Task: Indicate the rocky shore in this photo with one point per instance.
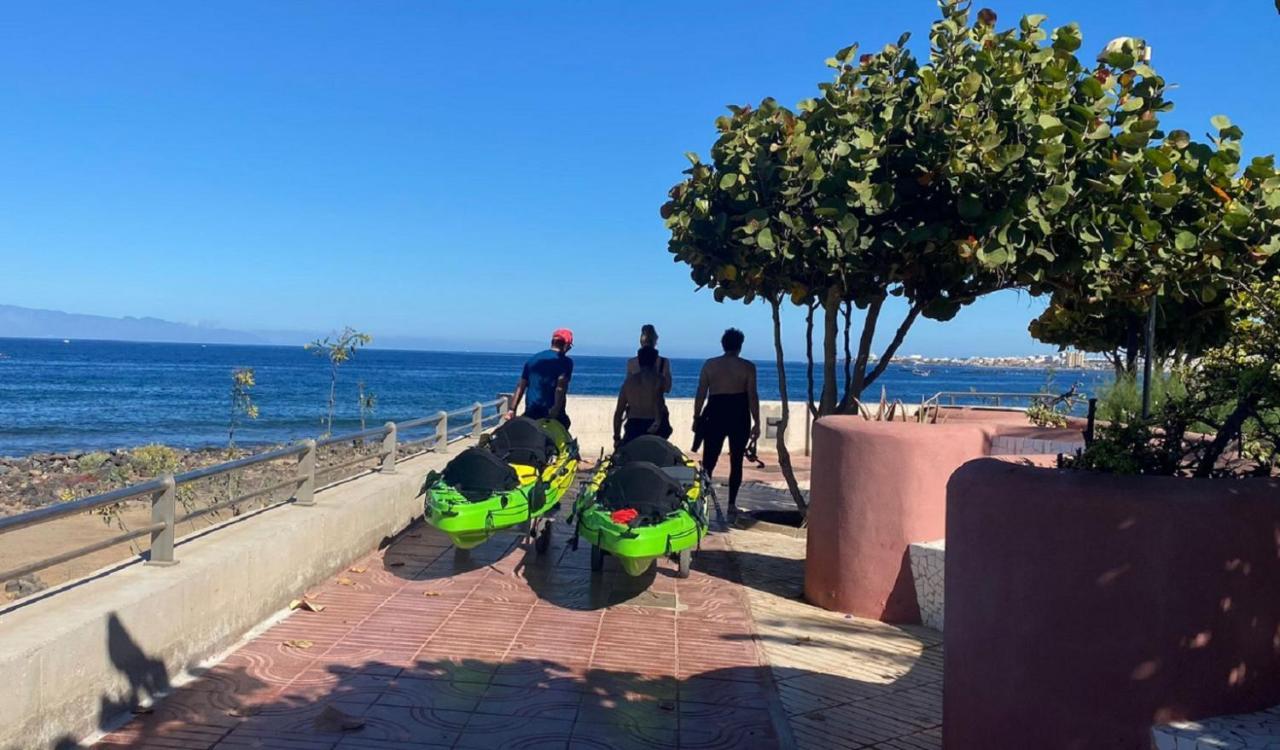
(44, 478)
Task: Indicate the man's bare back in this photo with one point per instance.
(726, 374)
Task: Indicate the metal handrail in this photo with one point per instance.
(351, 436)
(163, 489)
(996, 396)
(52, 512)
(239, 463)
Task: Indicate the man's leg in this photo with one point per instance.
(737, 449)
(711, 447)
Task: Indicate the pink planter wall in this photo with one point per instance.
(1082, 608)
(876, 488)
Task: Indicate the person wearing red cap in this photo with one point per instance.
(545, 380)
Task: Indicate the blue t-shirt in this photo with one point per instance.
(542, 372)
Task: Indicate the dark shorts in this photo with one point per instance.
(634, 428)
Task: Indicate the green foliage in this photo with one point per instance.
(935, 181)
(338, 349)
(153, 460)
(1130, 448)
(1161, 216)
(1121, 399)
(1225, 420)
(1041, 414)
(242, 406)
(91, 462)
(366, 400)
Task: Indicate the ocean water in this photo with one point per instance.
(91, 395)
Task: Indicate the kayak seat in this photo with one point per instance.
(651, 449)
(643, 487)
(686, 476)
(523, 441)
(477, 474)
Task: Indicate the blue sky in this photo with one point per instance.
(466, 171)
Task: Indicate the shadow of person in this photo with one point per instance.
(148, 678)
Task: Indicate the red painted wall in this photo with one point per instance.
(876, 488)
(1083, 608)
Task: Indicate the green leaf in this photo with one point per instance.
(1220, 122)
(765, 239)
(1057, 196)
(692, 157)
(1185, 240)
(1159, 159)
(1006, 155)
(997, 257)
(728, 180)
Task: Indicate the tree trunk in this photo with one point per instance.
(784, 457)
(808, 353)
(830, 331)
(1230, 429)
(864, 354)
(848, 354)
(1132, 344)
(901, 334)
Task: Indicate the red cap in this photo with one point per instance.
(564, 334)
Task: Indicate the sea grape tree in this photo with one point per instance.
(1162, 220)
(934, 182)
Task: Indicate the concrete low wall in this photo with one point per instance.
(1082, 608)
(593, 423)
(70, 662)
(878, 487)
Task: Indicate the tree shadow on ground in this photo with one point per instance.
(468, 703)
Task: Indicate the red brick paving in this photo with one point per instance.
(506, 650)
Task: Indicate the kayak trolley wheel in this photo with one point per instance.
(543, 541)
(685, 561)
(597, 558)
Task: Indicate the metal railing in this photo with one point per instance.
(1000, 400)
(163, 491)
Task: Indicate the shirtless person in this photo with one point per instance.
(727, 386)
(640, 399)
(649, 340)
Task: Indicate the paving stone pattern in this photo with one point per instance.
(418, 648)
(1259, 731)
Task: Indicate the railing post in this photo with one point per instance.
(442, 432)
(477, 419)
(164, 509)
(389, 450)
(306, 494)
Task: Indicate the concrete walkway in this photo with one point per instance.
(418, 648)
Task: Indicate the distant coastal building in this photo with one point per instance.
(1073, 359)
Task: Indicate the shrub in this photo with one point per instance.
(91, 462)
(153, 460)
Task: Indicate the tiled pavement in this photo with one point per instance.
(416, 648)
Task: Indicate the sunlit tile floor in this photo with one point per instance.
(416, 647)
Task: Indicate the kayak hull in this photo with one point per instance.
(637, 548)
(469, 524)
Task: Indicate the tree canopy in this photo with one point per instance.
(1002, 161)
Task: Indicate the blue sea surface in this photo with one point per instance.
(92, 395)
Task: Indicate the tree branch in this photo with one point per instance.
(864, 353)
(892, 349)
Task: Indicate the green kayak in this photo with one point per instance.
(645, 502)
(517, 475)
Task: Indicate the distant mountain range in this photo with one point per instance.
(26, 322)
